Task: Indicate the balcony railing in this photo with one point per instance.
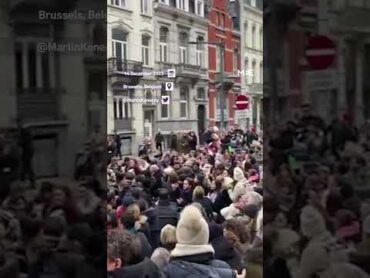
(185, 69)
(123, 124)
(118, 65)
(38, 104)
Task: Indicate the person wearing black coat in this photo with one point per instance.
(165, 213)
(224, 251)
(198, 197)
(124, 259)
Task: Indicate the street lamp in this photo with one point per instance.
(221, 46)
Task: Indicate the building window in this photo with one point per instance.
(121, 109)
(184, 102)
(246, 33)
(200, 51)
(119, 44)
(165, 2)
(145, 42)
(183, 47)
(254, 36)
(165, 108)
(201, 93)
(218, 58)
(222, 20)
(261, 72)
(145, 7)
(261, 38)
(163, 44)
(246, 69)
(148, 95)
(32, 67)
(182, 5)
(218, 19)
(253, 3)
(235, 60)
(199, 7)
(254, 71)
(118, 3)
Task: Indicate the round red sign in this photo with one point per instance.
(320, 52)
(242, 102)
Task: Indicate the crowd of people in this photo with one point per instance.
(316, 198)
(190, 210)
(53, 228)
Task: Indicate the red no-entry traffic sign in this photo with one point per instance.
(320, 52)
(242, 102)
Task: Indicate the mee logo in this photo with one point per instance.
(243, 73)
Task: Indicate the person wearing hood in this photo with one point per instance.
(193, 254)
(241, 184)
(124, 259)
(321, 244)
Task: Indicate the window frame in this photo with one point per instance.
(163, 45)
(142, 7)
(165, 93)
(145, 50)
(184, 91)
(122, 3)
(123, 45)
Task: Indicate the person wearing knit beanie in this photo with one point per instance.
(192, 234)
(193, 255)
(322, 248)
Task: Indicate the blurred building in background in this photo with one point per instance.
(291, 79)
(180, 35)
(58, 95)
(251, 24)
(224, 61)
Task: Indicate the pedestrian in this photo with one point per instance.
(159, 141)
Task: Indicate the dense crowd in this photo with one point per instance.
(190, 210)
(53, 228)
(316, 198)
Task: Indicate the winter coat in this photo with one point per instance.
(224, 251)
(144, 269)
(198, 266)
(206, 204)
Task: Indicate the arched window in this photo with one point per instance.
(183, 45)
(184, 95)
(163, 44)
(200, 51)
(145, 47)
(119, 43)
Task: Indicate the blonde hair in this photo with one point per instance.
(134, 210)
(168, 236)
(198, 192)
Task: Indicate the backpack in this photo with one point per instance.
(192, 270)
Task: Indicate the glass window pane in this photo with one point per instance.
(119, 35)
